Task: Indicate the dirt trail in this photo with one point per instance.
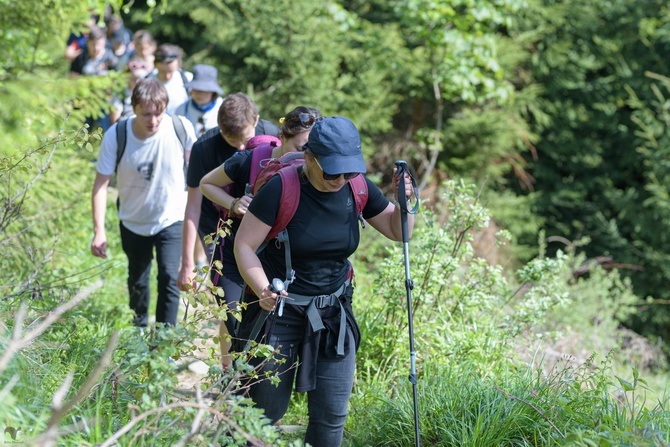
(195, 366)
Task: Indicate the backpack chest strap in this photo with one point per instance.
(314, 303)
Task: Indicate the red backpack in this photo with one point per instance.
(285, 167)
(262, 146)
(264, 167)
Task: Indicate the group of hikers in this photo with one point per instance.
(114, 47)
(179, 159)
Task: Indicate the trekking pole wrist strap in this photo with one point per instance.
(401, 196)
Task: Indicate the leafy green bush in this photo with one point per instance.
(474, 325)
(92, 378)
(464, 308)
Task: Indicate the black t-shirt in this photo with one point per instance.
(323, 233)
(207, 154)
(237, 169)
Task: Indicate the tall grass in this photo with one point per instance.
(458, 406)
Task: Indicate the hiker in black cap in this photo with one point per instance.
(236, 171)
(203, 106)
(323, 233)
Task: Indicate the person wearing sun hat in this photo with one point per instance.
(323, 234)
(202, 108)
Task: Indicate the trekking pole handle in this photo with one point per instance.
(277, 286)
(402, 169)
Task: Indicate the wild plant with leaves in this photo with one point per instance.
(476, 326)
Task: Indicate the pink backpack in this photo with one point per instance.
(262, 146)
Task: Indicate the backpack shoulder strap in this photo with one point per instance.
(290, 197)
(359, 188)
(121, 137)
(179, 129)
(184, 80)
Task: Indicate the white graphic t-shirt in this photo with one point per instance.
(150, 176)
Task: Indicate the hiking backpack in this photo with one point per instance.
(263, 168)
(287, 170)
(262, 146)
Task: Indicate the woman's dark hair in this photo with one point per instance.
(293, 123)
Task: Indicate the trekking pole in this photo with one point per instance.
(403, 169)
(277, 287)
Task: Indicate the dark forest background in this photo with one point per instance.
(557, 108)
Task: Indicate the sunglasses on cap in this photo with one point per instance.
(306, 120)
(347, 176)
(166, 57)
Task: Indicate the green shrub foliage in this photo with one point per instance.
(474, 325)
(551, 106)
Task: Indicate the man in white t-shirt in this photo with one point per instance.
(169, 71)
(152, 198)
